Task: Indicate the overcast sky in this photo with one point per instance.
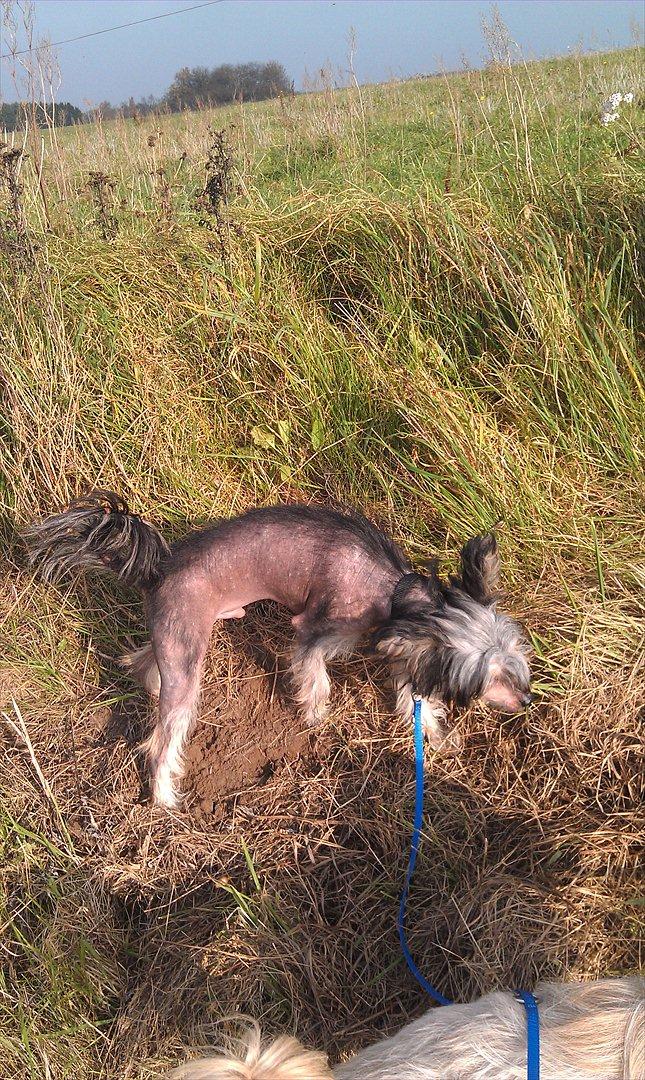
(393, 37)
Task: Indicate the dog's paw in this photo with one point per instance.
(165, 795)
(433, 721)
(314, 717)
(448, 740)
(436, 728)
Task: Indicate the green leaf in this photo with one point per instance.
(262, 437)
(317, 434)
(284, 431)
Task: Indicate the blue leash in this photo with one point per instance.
(530, 1004)
(532, 1034)
(414, 851)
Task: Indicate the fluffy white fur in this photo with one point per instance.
(283, 1059)
(588, 1031)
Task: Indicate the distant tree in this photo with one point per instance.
(188, 89)
(275, 80)
(128, 109)
(63, 113)
(9, 113)
(104, 111)
(194, 88)
(221, 85)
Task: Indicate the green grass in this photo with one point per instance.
(429, 306)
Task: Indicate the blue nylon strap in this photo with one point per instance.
(530, 1004)
(414, 850)
(532, 1034)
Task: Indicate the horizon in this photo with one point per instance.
(394, 39)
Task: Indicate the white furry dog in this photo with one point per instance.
(588, 1031)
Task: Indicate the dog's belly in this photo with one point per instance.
(240, 583)
(234, 607)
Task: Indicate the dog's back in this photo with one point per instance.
(307, 558)
(588, 1031)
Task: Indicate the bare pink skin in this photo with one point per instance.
(276, 562)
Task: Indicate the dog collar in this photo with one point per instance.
(402, 586)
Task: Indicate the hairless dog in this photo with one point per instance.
(342, 578)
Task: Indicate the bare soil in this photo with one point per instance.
(241, 743)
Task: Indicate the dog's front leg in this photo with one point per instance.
(309, 677)
(311, 682)
(434, 714)
(433, 711)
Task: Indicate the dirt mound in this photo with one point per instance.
(241, 743)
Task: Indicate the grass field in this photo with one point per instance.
(422, 299)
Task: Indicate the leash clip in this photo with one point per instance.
(417, 704)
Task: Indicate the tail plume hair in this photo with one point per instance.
(98, 532)
(248, 1059)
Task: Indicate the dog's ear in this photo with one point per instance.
(480, 568)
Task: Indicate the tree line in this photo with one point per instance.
(14, 115)
(191, 88)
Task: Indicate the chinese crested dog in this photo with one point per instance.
(342, 578)
(588, 1031)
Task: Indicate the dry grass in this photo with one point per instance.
(427, 306)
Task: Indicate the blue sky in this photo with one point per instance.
(394, 37)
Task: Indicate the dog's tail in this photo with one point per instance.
(284, 1059)
(98, 532)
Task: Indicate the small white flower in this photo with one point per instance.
(612, 103)
(628, 98)
(608, 118)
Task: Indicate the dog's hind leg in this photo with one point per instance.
(310, 681)
(179, 654)
(178, 702)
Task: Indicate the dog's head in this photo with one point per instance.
(453, 641)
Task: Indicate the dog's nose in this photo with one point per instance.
(526, 700)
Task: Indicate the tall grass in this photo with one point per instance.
(422, 299)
